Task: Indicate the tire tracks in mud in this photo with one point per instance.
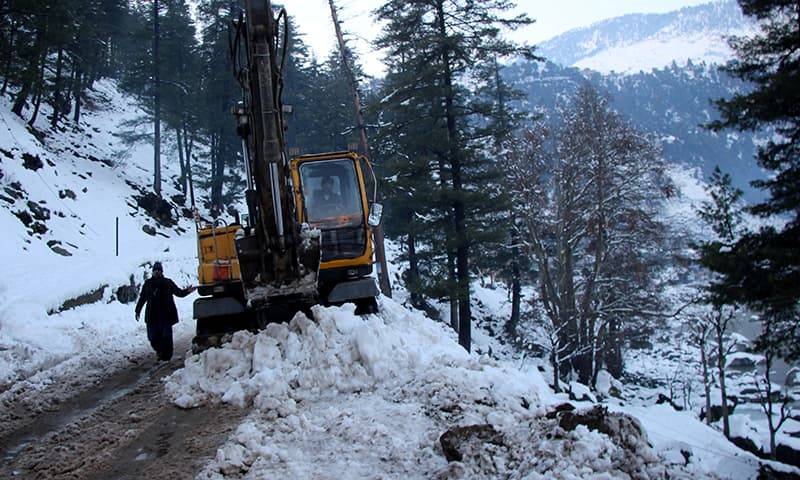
(123, 428)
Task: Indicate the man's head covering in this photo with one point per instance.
(157, 266)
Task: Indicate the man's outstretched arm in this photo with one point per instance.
(181, 292)
(143, 295)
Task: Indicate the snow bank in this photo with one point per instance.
(339, 395)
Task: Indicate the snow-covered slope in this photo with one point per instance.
(642, 42)
(61, 193)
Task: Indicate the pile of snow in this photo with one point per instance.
(343, 395)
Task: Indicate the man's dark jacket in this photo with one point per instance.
(157, 293)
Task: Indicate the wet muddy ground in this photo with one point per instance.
(122, 427)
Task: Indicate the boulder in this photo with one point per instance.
(623, 429)
(31, 162)
(787, 454)
(66, 193)
(39, 212)
(458, 441)
(157, 207)
(127, 293)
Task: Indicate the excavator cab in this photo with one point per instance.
(335, 194)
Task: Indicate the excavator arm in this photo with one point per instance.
(278, 257)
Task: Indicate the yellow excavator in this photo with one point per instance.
(307, 236)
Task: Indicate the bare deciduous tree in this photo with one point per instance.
(586, 198)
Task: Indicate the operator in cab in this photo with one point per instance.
(160, 314)
(326, 201)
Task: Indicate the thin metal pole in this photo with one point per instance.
(117, 237)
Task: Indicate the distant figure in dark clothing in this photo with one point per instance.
(160, 314)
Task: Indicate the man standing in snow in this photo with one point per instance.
(160, 314)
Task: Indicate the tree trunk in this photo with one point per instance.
(459, 214)
(181, 161)
(218, 165)
(706, 383)
(516, 285)
(556, 368)
(57, 89)
(7, 66)
(726, 428)
(31, 73)
(413, 269)
(38, 90)
(613, 340)
(188, 141)
(377, 231)
(78, 93)
(156, 104)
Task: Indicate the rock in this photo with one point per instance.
(766, 472)
(128, 293)
(149, 230)
(624, 430)
(157, 207)
(39, 227)
(455, 442)
(66, 193)
(24, 217)
(55, 246)
(39, 212)
(89, 297)
(31, 162)
(608, 386)
(743, 361)
(61, 251)
(715, 413)
(748, 445)
(787, 454)
(563, 407)
(662, 399)
(15, 190)
(738, 343)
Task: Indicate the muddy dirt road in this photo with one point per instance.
(122, 427)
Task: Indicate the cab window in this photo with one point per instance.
(331, 192)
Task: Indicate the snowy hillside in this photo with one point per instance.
(643, 42)
(61, 193)
(330, 395)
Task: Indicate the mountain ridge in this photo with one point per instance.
(642, 42)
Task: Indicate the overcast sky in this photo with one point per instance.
(552, 17)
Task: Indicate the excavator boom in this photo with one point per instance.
(274, 260)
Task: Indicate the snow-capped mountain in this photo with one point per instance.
(642, 42)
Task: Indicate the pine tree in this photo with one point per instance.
(448, 40)
(762, 269)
